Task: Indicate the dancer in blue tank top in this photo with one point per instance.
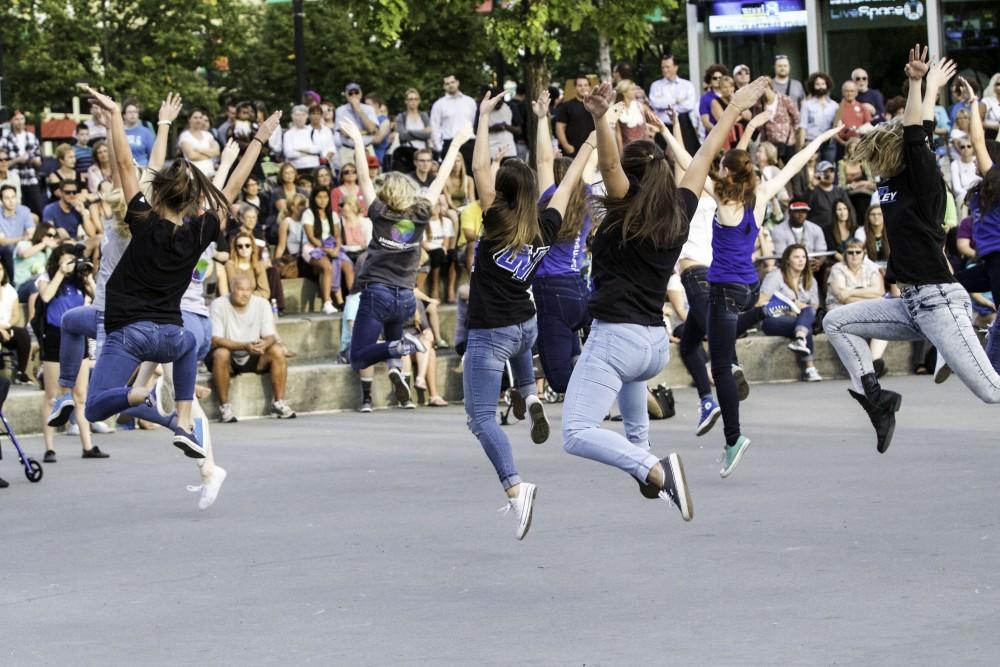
(733, 285)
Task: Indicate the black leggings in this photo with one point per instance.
(727, 302)
(983, 277)
(20, 342)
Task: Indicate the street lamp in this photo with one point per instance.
(298, 14)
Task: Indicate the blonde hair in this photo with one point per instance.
(881, 149)
(352, 204)
(115, 198)
(396, 191)
(622, 89)
(297, 203)
(62, 150)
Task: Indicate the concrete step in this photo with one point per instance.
(320, 385)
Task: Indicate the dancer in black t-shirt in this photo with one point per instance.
(501, 325)
(933, 306)
(142, 315)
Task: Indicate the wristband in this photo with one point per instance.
(165, 122)
(258, 141)
(591, 145)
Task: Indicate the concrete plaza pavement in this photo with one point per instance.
(349, 539)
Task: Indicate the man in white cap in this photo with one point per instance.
(359, 113)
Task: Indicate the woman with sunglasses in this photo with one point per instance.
(854, 279)
(245, 261)
(30, 258)
(964, 172)
(349, 188)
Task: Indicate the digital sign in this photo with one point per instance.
(868, 14)
(756, 17)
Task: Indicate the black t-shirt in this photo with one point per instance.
(498, 289)
(913, 204)
(630, 279)
(579, 122)
(822, 203)
(150, 279)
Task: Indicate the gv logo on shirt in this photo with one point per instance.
(522, 263)
(886, 197)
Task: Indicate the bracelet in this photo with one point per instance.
(258, 141)
(591, 145)
(165, 122)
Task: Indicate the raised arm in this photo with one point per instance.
(481, 154)
(572, 178)
(768, 189)
(608, 159)
(756, 122)
(122, 162)
(226, 162)
(977, 135)
(437, 185)
(544, 157)
(246, 165)
(170, 108)
(937, 78)
(745, 97)
(353, 133)
(916, 68)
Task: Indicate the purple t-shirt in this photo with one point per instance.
(705, 105)
(565, 258)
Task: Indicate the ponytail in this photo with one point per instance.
(740, 180)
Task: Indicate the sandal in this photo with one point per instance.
(437, 402)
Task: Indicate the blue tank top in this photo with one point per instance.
(985, 227)
(564, 257)
(732, 250)
(69, 296)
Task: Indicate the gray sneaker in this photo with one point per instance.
(228, 416)
(281, 410)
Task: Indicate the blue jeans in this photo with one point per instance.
(351, 304)
(787, 326)
(726, 302)
(201, 327)
(561, 302)
(124, 349)
(486, 356)
(78, 324)
(617, 361)
(385, 310)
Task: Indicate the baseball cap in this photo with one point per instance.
(799, 206)
(740, 68)
(352, 87)
(825, 165)
(373, 162)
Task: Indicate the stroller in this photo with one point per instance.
(32, 468)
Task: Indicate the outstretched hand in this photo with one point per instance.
(614, 113)
(352, 131)
(940, 72)
(916, 64)
(599, 100)
(833, 131)
(230, 152)
(760, 119)
(490, 103)
(100, 99)
(464, 134)
(747, 96)
(967, 92)
(541, 105)
(268, 127)
(170, 107)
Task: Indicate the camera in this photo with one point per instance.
(83, 267)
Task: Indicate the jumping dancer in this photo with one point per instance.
(501, 324)
(733, 285)
(399, 215)
(142, 317)
(932, 304)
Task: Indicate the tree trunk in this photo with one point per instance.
(536, 77)
(603, 56)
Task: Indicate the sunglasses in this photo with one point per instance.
(347, 172)
(51, 235)
(716, 76)
(965, 146)
(412, 99)
(69, 192)
(854, 252)
(861, 78)
(353, 92)
(243, 246)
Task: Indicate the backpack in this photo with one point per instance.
(663, 396)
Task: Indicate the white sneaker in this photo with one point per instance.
(210, 489)
(329, 308)
(100, 427)
(228, 416)
(812, 375)
(799, 345)
(164, 397)
(521, 506)
(281, 410)
(72, 429)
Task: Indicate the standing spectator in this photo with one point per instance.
(783, 82)
(674, 94)
(24, 153)
(782, 127)
(67, 212)
(573, 123)
(361, 115)
(422, 175)
(97, 130)
(101, 169)
(413, 126)
(9, 176)
(140, 138)
(798, 231)
(818, 113)
(226, 123)
(741, 76)
(243, 338)
(298, 145)
(713, 77)
(631, 125)
(82, 150)
(991, 103)
(450, 113)
(381, 140)
(825, 195)
(198, 144)
(16, 225)
(964, 173)
(322, 136)
(869, 96)
(501, 130)
(852, 113)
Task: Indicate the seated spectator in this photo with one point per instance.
(9, 176)
(16, 225)
(355, 231)
(298, 144)
(798, 230)
(856, 279)
(244, 261)
(96, 129)
(471, 229)
(425, 378)
(323, 251)
(790, 298)
(856, 179)
(252, 198)
(30, 258)
(348, 189)
(285, 188)
(13, 334)
(422, 174)
(65, 173)
(243, 340)
(964, 174)
(100, 170)
(323, 179)
(198, 144)
(964, 254)
(438, 237)
(874, 237)
(844, 227)
(67, 212)
(291, 239)
(322, 136)
(82, 150)
(959, 134)
(824, 193)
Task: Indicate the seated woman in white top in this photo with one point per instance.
(197, 143)
(857, 279)
(790, 298)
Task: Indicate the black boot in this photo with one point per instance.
(881, 406)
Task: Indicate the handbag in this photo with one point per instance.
(663, 398)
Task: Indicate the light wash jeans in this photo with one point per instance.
(486, 357)
(617, 360)
(941, 313)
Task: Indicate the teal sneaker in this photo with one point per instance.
(731, 456)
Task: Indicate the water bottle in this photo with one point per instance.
(264, 254)
(274, 308)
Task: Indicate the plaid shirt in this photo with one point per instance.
(31, 148)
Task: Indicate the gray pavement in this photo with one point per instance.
(353, 539)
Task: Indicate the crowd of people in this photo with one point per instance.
(680, 214)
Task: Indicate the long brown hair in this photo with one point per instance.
(254, 250)
(871, 247)
(786, 275)
(989, 190)
(515, 205)
(183, 188)
(740, 180)
(881, 149)
(577, 208)
(652, 214)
